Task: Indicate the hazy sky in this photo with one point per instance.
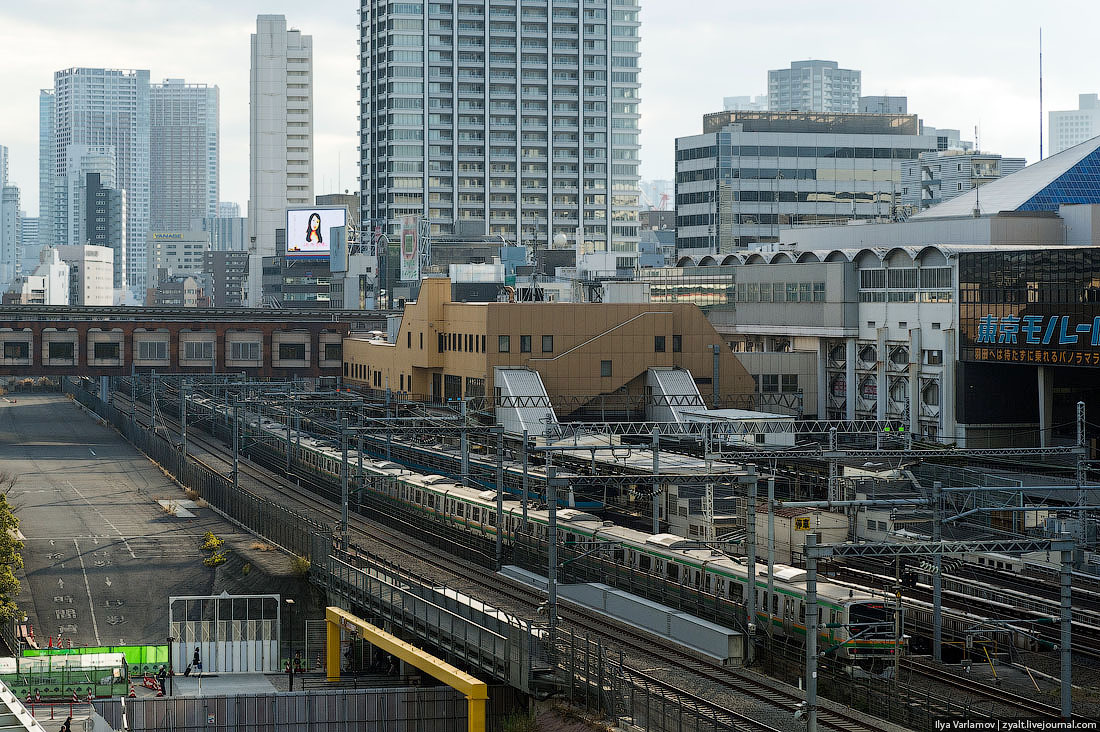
(960, 63)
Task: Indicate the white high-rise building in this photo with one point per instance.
(3, 166)
(91, 274)
(30, 246)
(11, 231)
(814, 86)
(183, 154)
(228, 210)
(489, 119)
(280, 136)
(1074, 126)
(100, 108)
(48, 285)
(47, 161)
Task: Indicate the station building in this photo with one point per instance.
(445, 350)
(975, 322)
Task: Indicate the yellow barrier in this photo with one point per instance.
(476, 692)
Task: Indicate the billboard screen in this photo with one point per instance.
(307, 231)
(410, 250)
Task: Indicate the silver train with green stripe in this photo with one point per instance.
(854, 624)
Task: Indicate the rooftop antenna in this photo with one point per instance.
(1040, 92)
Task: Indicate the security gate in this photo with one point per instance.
(232, 633)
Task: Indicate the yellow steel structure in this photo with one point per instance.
(476, 692)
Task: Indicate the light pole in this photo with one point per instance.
(171, 640)
(290, 641)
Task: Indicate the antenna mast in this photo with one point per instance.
(1040, 92)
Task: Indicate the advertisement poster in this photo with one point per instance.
(410, 250)
(307, 231)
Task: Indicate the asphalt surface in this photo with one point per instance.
(101, 555)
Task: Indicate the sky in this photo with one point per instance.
(962, 64)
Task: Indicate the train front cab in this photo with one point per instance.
(871, 630)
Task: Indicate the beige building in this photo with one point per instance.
(175, 254)
(792, 526)
(445, 349)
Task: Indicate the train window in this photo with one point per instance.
(737, 592)
(491, 518)
(644, 562)
(775, 604)
(475, 513)
(801, 613)
(707, 583)
(673, 570)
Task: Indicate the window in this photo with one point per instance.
(421, 341)
(292, 351)
(605, 368)
(933, 358)
(244, 351)
(677, 343)
(409, 339)
(525, 344)
(789, 383)
(333, 351)
(935, 326)
(504, 344)
(870, 324)
(440, 342)
(17, 349)
(548, 344)
(769, 383)
(903, 324)
(61, 350)
(658, 344)
(153, 350)
(198, 350)
(483, 344)
(106, 350)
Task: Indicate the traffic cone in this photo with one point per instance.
(50, 643)
(91, 694)
(133, 691)
(28, 697)
(75, 699)
(37, 697)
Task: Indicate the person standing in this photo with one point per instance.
(196, 662)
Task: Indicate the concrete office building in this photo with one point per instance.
(175, 253)
(229, 210)
(280, 135)
(30, 244)
(101, 108)
(935, 177)
(814, 86)
(883, 104)
(227, 233)
(91, 274)
(350, 201)
(179, 291)
(227, 273)
(1074, 126)
(48, 285)
(517, 122)
(106, 211)
(752, 173)
(183, 154)
(83, 161)
(11, 231)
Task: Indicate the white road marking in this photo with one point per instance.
(107, 581)
(91, 451)
(91, 603)
(105, 520)
(61, 582)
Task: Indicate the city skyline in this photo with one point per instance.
(679, 75)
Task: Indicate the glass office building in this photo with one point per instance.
(502, 118)
(752, 173)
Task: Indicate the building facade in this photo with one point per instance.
(227, 233)
(106, 209)
(3, 166)
(935, 177)
(91, 274)
(46, 167)
(280, 135)
(48, 285)
(83, 161)
(100, 108)
(175, 253)
(449, 350)
(229, 210)
(30, 245)
(518, 122)
(183, 154)
(11, 231)
(227, 273)
(1074, 126)
(751, 174)
(814, 86)
(883, 105)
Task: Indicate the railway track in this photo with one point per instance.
(983, 691)
(711, 682)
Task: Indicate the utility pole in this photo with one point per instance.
(937, 579)
(153, 399)
(236, 444)
(344, 485)
(656, 437)
(1066, 596)
(811, 633)
(464, 447)
(183, 418)
(771, 549)
(750, 556)
(552, 548)
(524, 525)
(500, 496)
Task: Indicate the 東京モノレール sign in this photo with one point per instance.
(1054, 339)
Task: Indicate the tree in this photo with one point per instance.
(11, 548)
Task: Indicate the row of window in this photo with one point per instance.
(780, 292)
(158, 350)
(776, 383)
(800, 151)
(504, 344)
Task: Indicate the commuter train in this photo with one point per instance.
(843, 611)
